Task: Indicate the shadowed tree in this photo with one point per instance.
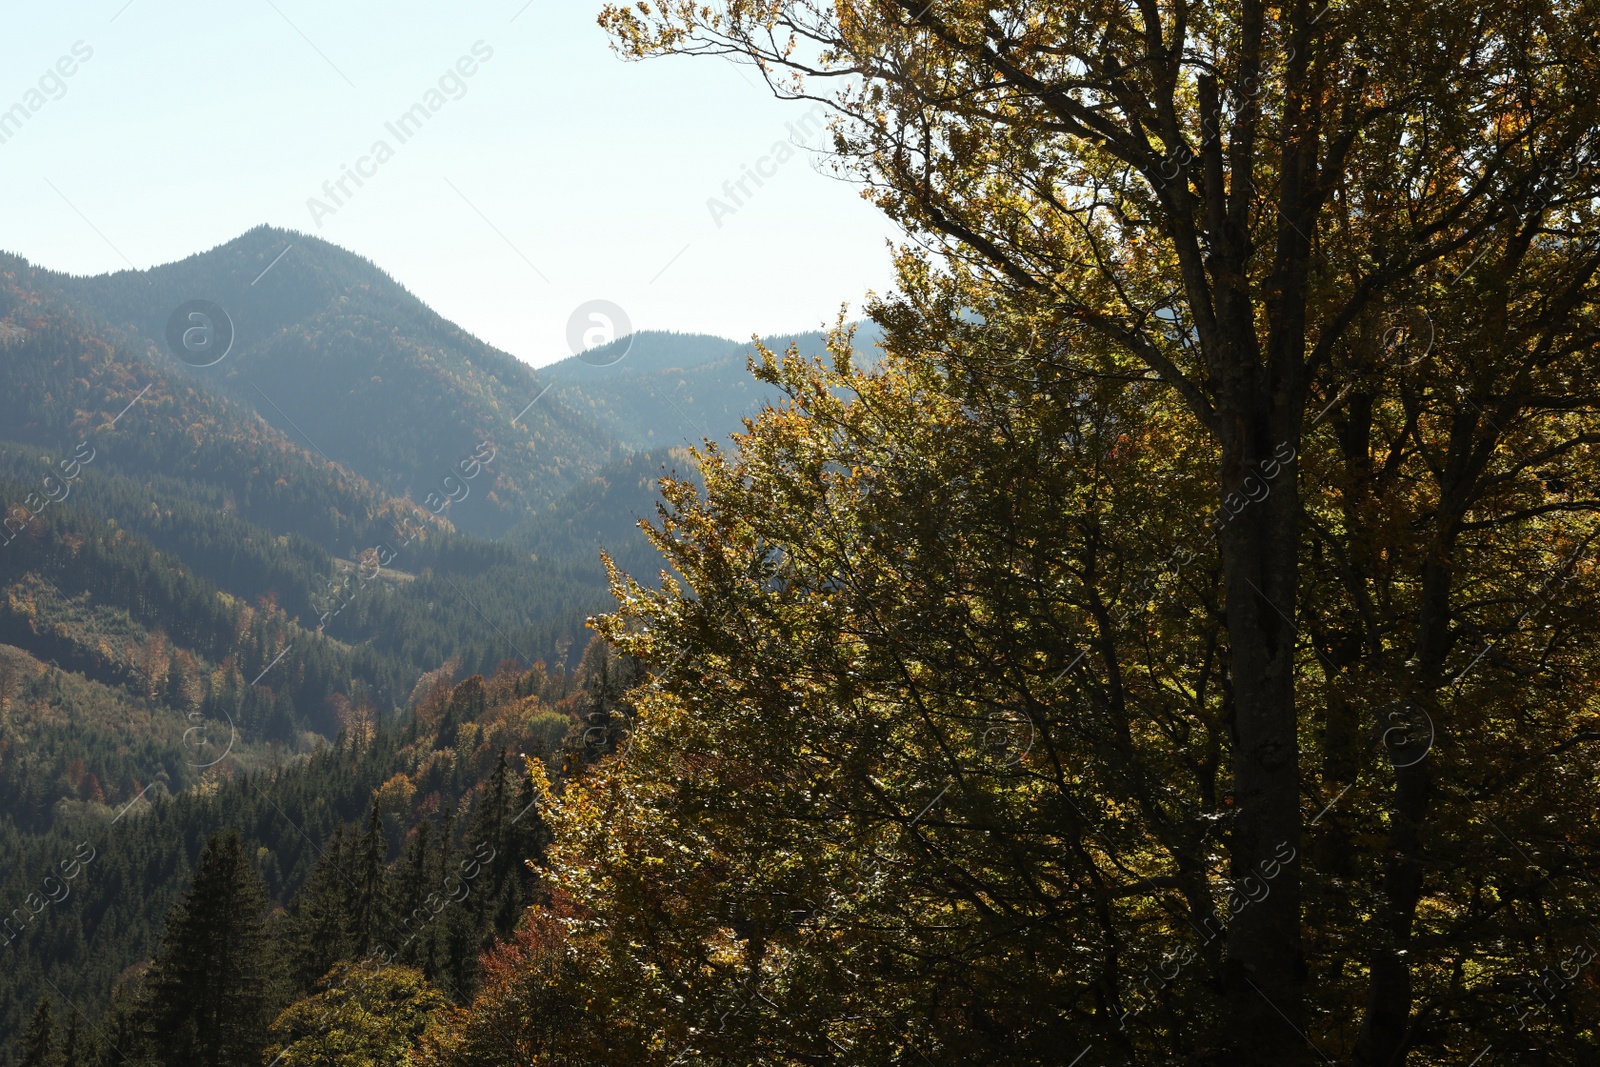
(39, 1043)
(1358, 234)
(212, 985)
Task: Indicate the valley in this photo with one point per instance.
(217, 576)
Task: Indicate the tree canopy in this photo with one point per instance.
(1315, 283)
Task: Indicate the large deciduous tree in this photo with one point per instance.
(363, 1016)
(1360, 233)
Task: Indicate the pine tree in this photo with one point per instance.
(411, 916)
(73, 1045)
(39, 1043)
(324, 921)
(211, 985)
(369, 880)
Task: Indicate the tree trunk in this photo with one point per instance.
(1264, 975)
(1385, 1027)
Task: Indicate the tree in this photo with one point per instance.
(372, 863)
(364, 1016)
(325, 918)
(499, 890)
(73, 1046)
(1361, 235)
(864, 816)
(467, 703)
(529, 1010)
(603, 717)
(212, 984)
(413, 914)
(39, 1043)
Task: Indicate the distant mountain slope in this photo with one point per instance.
(655, 389)
(208, 572)
(346, 362)
(167, 530)
(160, 538)
(603, 514)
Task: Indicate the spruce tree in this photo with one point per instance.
(325, 918)
(73, 1045)
(467, 704)
(372, 863)
(486, 836)
(454, 942)
(39, 1043)
(411, 915)
(119, 1037)
(211, 985)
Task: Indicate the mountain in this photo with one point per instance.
(655, 389)
(229, 541)
(656, 392)
(604, 513)
(323, 483)
(161, 536)
(343, 361)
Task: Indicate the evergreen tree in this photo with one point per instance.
(73, 1045)
(467, 703)
(119, 1037)
(531, 837)
(369, 881)
(604, 717)
(211, 986)
(455, 942)
(324, 921)
(39, 1043)
(409, 929)
(493, 882)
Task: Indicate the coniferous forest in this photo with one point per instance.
(1158, 628)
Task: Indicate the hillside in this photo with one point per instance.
(397, 803)
(655, 389)
(213, 578)
(346, 363)
(603, 514)
(162, 538)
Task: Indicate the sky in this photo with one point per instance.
(548, 174)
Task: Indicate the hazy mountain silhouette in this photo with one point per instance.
(345, 361)
(655, 389)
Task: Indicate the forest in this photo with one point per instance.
(1162, 633)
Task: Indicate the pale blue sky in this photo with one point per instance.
(192, 122)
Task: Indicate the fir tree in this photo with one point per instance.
(211, 984)
(369, 881)
(411, 914)
(325, 921)
(486, 836)
(39, 1043)
(73, 1045)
